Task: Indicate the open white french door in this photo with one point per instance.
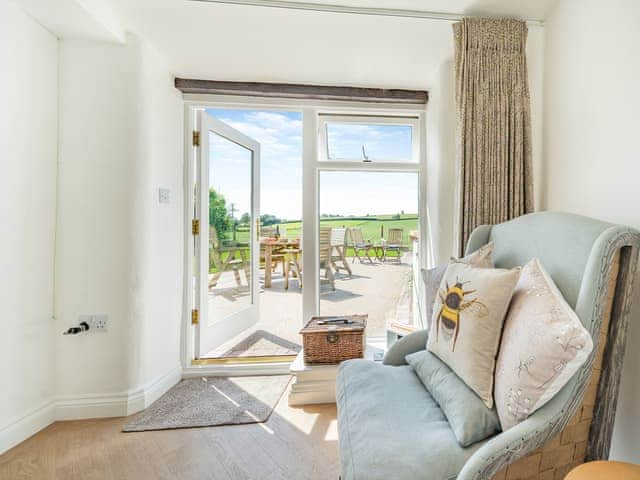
(227, 254)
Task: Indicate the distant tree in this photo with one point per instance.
(267, 219)
(218, 214)
(396, 216)
(401, 212)
(245, 219)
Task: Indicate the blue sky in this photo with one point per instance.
(280, 137)
(383, 143)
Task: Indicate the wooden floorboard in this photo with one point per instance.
(295, 443)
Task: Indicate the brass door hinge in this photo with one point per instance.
(195, 227)
(196, 138)
(195, 316)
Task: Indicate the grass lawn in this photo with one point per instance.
(371, 227)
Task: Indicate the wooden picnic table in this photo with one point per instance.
(270, 246)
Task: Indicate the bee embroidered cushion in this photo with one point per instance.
(468, 315)
(482, 258)
(543, 345)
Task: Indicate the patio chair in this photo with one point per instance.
(394, 244)
(231, 262)
(325, 257)
(359, 245)
(338, 250)
(292, 265)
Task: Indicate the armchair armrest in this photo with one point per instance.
(526, 436)
(413, 342)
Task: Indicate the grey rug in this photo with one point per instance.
(212, 401)
(258, 344)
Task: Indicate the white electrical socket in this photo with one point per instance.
(97, 323)
(164, 195)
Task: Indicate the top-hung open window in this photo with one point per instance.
(369, 139)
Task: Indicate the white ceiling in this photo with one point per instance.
(86, 19)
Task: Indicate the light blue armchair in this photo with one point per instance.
(391, 428)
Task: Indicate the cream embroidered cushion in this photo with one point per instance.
(482, 258)
(467, 322)
(543, 345)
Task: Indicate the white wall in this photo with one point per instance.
(441, 148)
(250, 43)
(119, 250)
(98, 126)
(115, 139)
(161, 252)
(28, 146)
(591, 130)
(441, 165)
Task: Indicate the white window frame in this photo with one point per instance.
(409, 121)
(320, 162)
(314, 112)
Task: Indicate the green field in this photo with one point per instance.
(374, 228)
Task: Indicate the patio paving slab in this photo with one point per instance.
(375, 289)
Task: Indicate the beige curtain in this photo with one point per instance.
(494, 124)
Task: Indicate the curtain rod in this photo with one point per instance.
(325, 7)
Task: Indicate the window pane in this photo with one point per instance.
(230, 194)
(366, 248)
(375, 143)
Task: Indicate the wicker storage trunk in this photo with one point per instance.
(331, 340)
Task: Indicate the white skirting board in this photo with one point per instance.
(22, 428)
(77, 407)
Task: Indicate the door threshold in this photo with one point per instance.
(243, 360)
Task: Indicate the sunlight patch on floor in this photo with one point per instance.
(332, 431)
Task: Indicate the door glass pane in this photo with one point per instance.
(369, 142)
(278, 273)
(230, 220)
(368, 247)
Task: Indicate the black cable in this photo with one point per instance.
(82, 327)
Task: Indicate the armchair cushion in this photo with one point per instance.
(391, 428)
(469, 418)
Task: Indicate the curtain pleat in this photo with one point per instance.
(493, 121)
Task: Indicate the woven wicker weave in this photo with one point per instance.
(330, 344)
